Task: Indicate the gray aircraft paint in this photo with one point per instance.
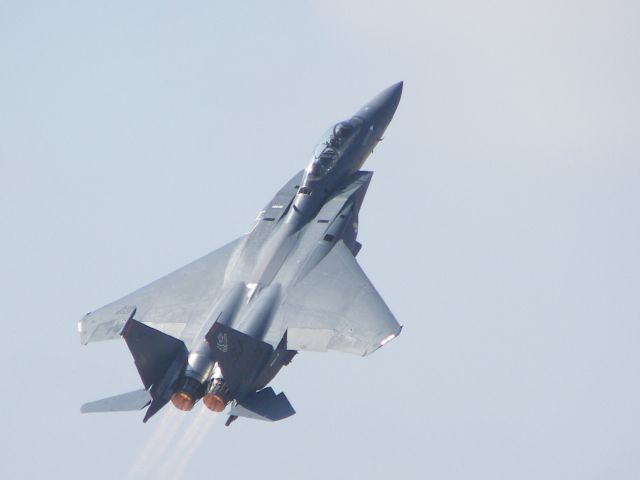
(235, 317)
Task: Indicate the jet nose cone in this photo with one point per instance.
(383, 105)
(390, 97)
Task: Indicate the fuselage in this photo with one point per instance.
(296, 230)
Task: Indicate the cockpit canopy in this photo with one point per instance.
(332, 144)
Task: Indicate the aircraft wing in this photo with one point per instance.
(335, 307)
(181, 299)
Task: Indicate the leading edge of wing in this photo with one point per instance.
(335, 307)
(167, 304)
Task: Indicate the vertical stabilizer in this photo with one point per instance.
(153, 351)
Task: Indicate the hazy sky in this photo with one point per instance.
(502, 227)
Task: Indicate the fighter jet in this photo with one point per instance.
(221, 328)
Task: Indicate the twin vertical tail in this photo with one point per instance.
(159, 359)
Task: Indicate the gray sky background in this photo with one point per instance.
(501, 227)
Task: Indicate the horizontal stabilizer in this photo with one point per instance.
(264, 405)
(136, 400)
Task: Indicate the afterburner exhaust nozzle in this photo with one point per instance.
(214, 403)
(188, 392)
(182, 401)
(217, 396)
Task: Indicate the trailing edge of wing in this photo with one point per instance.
(336, 307)
(168, 304)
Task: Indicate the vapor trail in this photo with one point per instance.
(157, 444)
(188, 444)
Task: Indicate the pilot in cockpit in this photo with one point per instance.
(327, 152)
(341, 132)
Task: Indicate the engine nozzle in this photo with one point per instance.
(214, 403)
(217, 396)
(188, 391)
(182, 401)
